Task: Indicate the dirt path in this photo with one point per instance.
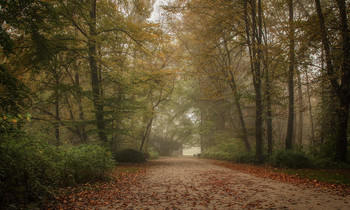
(189, 183)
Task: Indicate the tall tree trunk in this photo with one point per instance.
(342, 89)
(343, 119)
(258, 100)
(82, 131)
(300, 111)
(146, 133)
(254, 45)
(268, 98)
(290, 127)
(57, 107)
(310, 112)
(236, 95)
(268, 109)
(95, 81)
(343, 110)
(240, 114)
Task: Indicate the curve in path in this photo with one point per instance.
(190, 183)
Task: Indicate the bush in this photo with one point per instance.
(28, 169)
(290, 159)
(31, 168)
(86, 163)
(328, 163)
(232, 151)
(244, 158)
(130, 156)
(153, 154)
(217, 155)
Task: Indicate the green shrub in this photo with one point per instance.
(230, 151)
(27, 170)
(217, 155)
(153, 154)
(30, 168)
(328, 163)
(290, 159)
(130, 156)
(244, 158)
(86, 163)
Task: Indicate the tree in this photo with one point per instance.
(338, 72)
(290, 127)
(254, 34)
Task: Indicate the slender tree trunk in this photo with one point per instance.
(268, 110)
(240, 115)
(289, 137)
(236, 95)
(310, 111)
(95, 81)
(268, 99)
(82, 131)
(258, 100)
(146, 133)
(300, 111)
(254, 46)
(57, 108)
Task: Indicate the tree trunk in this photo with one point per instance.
(255, 59)
(95, 82)
(236, 96)
(268, 109)
(57, 108)
(300, 112)
(268, 99)
(83, 136)
(258, 101)
(343, 110)
(146, 133)
(290, 127)
(341, 143)
(240, 115)
(310, 112)
(342, 89)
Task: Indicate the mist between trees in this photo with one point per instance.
(242, 79)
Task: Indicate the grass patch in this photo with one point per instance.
(340, 177)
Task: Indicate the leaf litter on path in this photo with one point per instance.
(191, 183)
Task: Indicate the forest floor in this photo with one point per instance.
(191, 183)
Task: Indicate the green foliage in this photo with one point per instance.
(328, 163)
(232, 151)
(290, 159)
(218, 155)
(12, 92)
(30, 168)
(130, 156)
(245, 158)
(153, 154)
(86, 163)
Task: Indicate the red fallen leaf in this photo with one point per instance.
(263, 171)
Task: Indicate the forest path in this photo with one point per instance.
(191, 183)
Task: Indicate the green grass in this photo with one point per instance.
(341, 177)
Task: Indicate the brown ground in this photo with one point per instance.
(190, 183)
